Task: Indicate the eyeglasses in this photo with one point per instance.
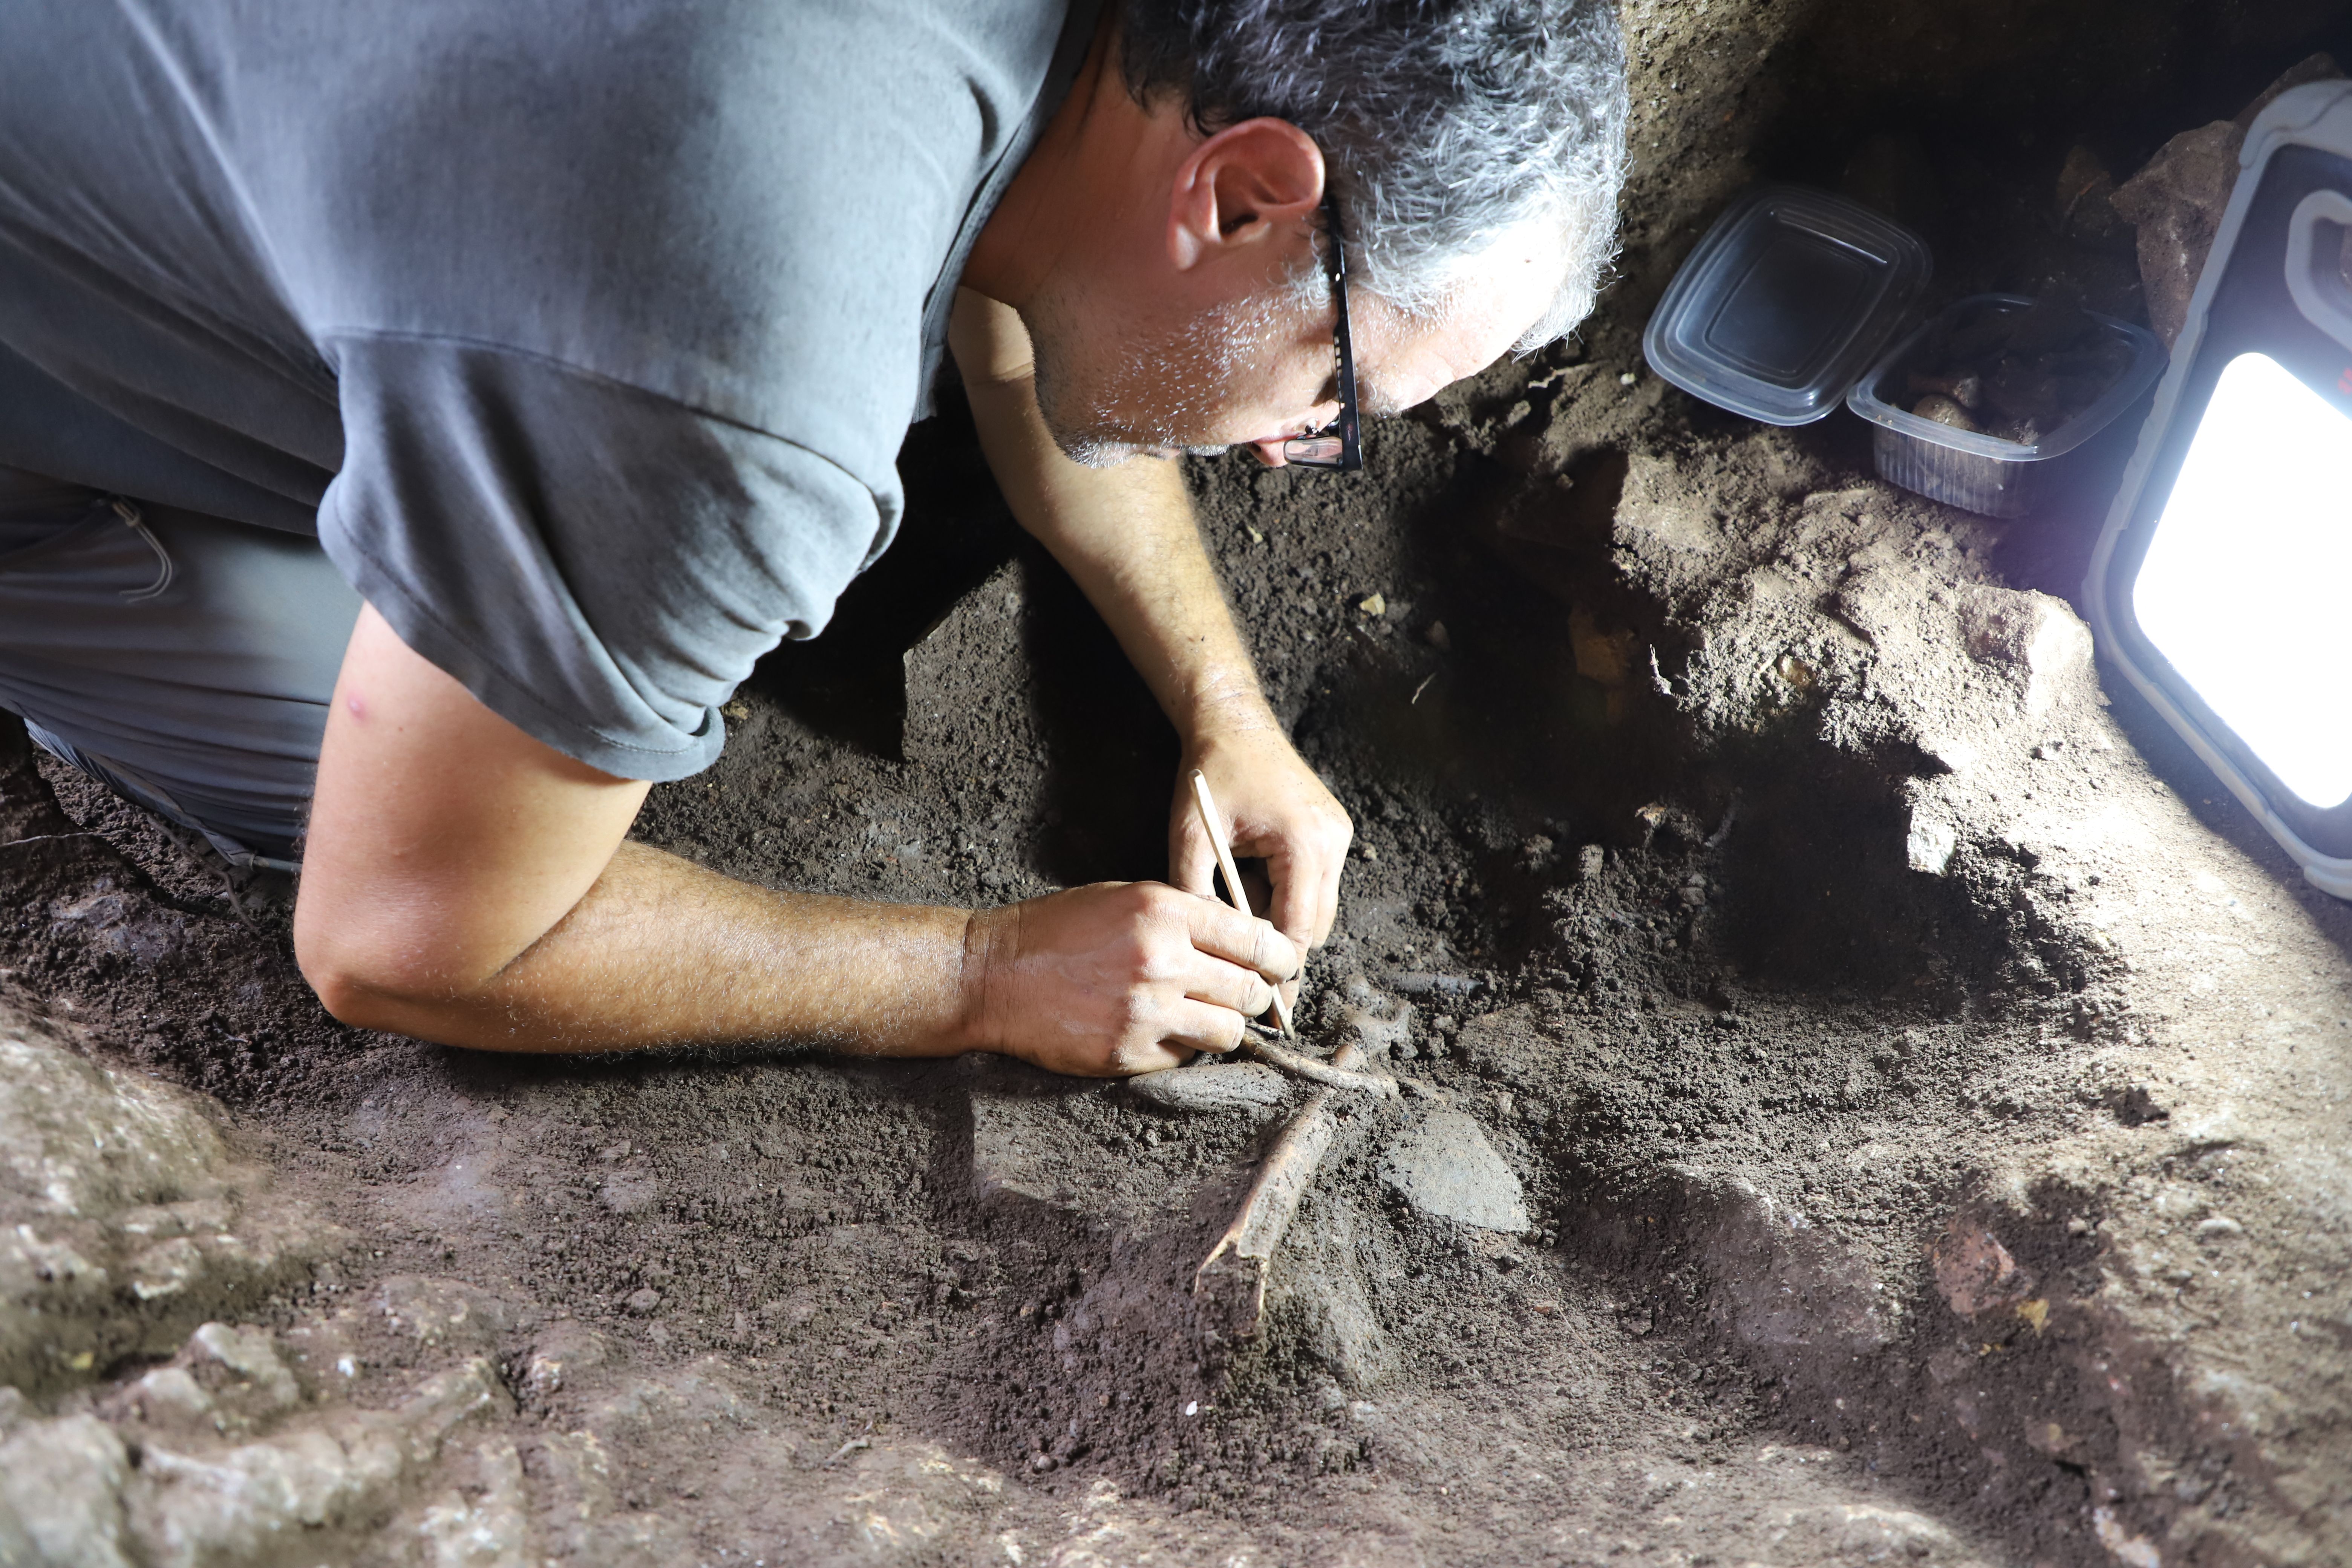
(1338, 445)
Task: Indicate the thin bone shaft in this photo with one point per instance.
(1213, 823)
(1246, 1252)
(1323, 1072)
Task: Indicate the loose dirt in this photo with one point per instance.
(1895, 1094)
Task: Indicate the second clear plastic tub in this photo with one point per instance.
(1983, 473)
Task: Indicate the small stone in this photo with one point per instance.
(643, 1300)
(1589, 859)
(1967, 391)
(246, 1356)
(1438, 637)
(1974, 1272)
(2218, 1227)
(1930, 845)
(1626, 378)
(1944, 410)
(2032, 634)
(1373, 604)
(543, 1378)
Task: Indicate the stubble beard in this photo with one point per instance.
(1157, 395)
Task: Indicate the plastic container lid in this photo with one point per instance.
(1786, 301)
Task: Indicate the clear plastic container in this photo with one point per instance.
(1785, 301)
(1986, 474)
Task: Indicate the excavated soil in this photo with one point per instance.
(1874, 1098)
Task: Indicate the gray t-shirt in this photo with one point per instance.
(583, 335)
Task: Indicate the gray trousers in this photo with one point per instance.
(184, 660)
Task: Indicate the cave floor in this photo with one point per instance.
(1901, 1093)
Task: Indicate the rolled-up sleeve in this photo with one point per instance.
(599, 564)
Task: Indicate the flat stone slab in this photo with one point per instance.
(1444, 1166)
(1213, 1086)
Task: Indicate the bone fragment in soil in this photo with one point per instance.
(1229, 1288)
(1324, 1073)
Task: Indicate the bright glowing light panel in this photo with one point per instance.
(2247, 585)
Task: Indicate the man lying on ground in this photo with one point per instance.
(417, 419)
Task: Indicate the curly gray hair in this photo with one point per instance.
(1446, 125)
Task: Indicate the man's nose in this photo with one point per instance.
(1270, 453)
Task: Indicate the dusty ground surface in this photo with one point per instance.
(1880, 1101)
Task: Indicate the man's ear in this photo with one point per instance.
(1248, 186)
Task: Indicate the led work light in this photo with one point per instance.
(2222, 583)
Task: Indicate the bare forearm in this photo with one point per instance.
(662, 952)
(1125, 534)
(1145, 570)
(466, 882)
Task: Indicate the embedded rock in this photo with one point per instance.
(1205, 1086)
(206, 1489)
(444, 1314)
(61, 1495)
(2176, 201)
(125, 1218)
(1444, 1166)
(1319, 1292)
(1928, 845)
(196, 1504)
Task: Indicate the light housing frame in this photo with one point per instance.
(2248, 300)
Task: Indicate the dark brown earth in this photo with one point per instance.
(1923, 1084)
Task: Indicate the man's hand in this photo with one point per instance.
(1120, 977)
(1281, 814)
